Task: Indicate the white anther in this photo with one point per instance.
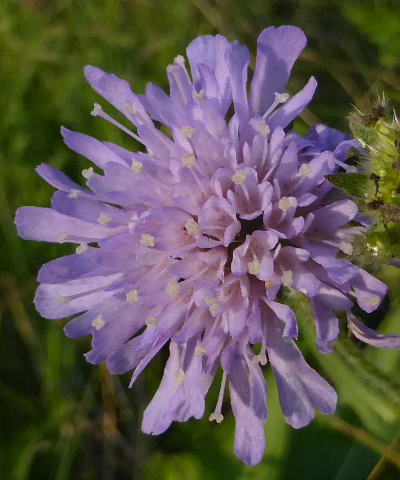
(172, 289)
(179, 59)
(74, 193)
(82, 248)
(212, 304)
(188, 161)
(62, 237)
(198, 95)
(96, 110)
(88, 173)
(347, 248)
(218, 417)
(254, 267)
(147, 240)
(261, 359)
(130, 108)
(285, 203)
(287, 278)
(188, 132)
(152, 321)
(305, 170)
(132, 296)
(61, 300)
(98, 323)
(281, 97)
(136, 166)
(199, 351)
(303, 291)
(179, 376)
(239, 178)
(191, 226)
(104, 219)
(373, 301)
(263, 128)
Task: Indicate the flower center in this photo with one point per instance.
(247, 228)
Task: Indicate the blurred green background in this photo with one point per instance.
(61, 418)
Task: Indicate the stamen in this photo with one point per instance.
(132, 296)
(172, 289)
(180, 60)
(82, 248)
(136, 166)
(62, 237)
(305, 170)
(254, 267)
(263, 128)
(212, 304)
(188, 132)
(346, 248)
(287, 278)
(285, 203)
(261, 358)
(74, 193)
(147, 240)
(188, 161)
(269, 284)
(98, 323)
(303, 290)
(198, 95)
(217, 415)
(373, 301)
(88, 173)
(281, 97)
(152, 321)
(199, 351)
(99, 112)
(61, 300)
(192, 227)
(239, 178)
(130, 108)
(179, 376)
(104, 219)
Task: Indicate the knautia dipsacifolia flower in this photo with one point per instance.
(189, 241)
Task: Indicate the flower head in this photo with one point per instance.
(190, 241)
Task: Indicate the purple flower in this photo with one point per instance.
(189, 241)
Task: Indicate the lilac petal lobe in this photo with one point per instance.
(277, 50)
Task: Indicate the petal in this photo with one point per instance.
(286, 314)
(116, 91)
(277, 50)
(209, 52)
(291, 109)
(61, 300)
(335, 215)
(46, 225)
(326, 325)
(371, 337)
(238, 58)
(179, 396)
(58, 179)
(368, 290)
(90, 148)
(249, 431)
(300, 387)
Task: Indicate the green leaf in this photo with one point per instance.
(351, 183)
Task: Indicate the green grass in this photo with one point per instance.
(61, 418)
